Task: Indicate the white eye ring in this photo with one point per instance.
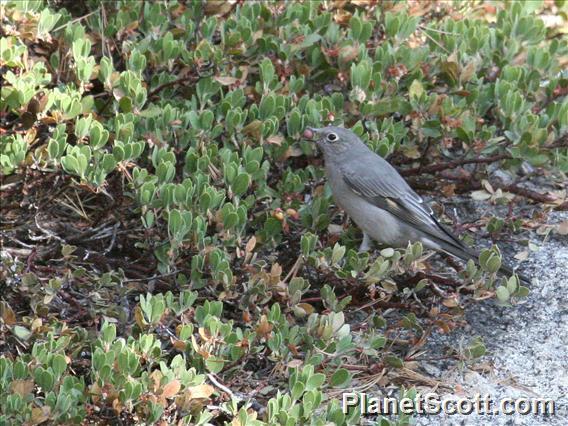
(332, 137)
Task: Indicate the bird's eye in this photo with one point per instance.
(332, 137)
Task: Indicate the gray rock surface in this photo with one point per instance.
(527, 345)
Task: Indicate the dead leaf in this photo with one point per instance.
(308, 309)
(37, 323)
(253, 129)
(562, 228)
(293, 151)
(275, 271)
(22, 387)
(480, 195)
(203, 391)
(275, 140)
(264, 328)
(397, 70)
(348, 53)
(342, 17)
(40, 414)
(293, 349)
(156, 377)
(171, 389)
(204, 334)
(419, 8)
(451, 302)
(139, 317)
(523, 255)
(179, 345)
(218, 7)
(295, 363)
(467, 72)
(226, 81)
(117, 406)
(244, 69)
(250, 244)
(7, 314)
(449, 190)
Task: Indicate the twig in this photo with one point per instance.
(111, 245)
(222, 387)
(45, 232)
(434, 40)
(422, 27)
(311, 299)
(560, 142)
(170, 83)
(80, 18)
(30, 259)
(529, 193)
(153, 277)
(103, 40)
(437, 290)
(387, 305)
(294, 270)
(436, 279)
(453, 164)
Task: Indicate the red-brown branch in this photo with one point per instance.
(433, 168)
(436, 279)
(529, 193)
(560, 142)
(464, 186)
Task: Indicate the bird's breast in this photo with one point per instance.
(379, 224)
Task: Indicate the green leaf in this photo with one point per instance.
(522, 291)
(341, 378)
(230, 220)
(241, 183)
(315, 381)
(297, 390)
(502, 294)
(70, 164)
(58, 364)
(44, 378)
(214, 364)
(310, 40)
(394, 361)
(416, 89)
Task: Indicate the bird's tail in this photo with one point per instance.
(466, 254)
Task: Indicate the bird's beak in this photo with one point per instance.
(311, 133)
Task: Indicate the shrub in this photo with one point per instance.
(183, 235)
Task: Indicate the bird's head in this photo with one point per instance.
(333, 141)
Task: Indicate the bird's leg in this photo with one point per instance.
(365, 244)
(345, 221)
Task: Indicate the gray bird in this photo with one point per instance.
(379, 200)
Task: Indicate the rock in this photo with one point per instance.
(527, 345)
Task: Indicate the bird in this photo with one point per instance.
(378, 199)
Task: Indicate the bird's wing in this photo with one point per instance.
(395, 196)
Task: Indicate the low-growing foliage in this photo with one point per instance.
(170, 250)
